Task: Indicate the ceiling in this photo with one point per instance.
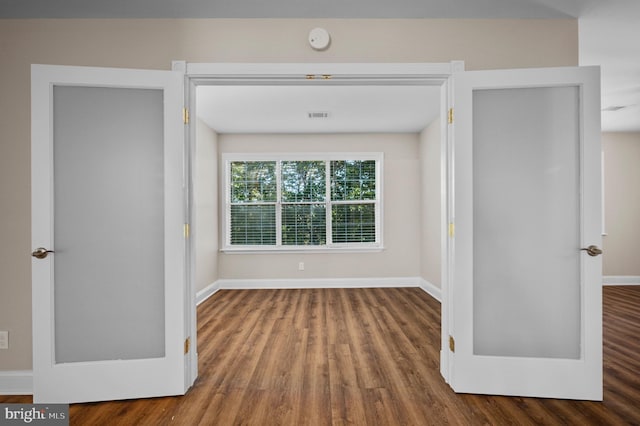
(610, 37)
(293, 8)
(609, 31)
(318, 109)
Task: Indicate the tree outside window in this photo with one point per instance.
(298, 203)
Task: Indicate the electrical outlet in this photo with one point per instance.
(4, 340)
(301, 266)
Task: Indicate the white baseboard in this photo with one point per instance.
(621, 280)
(207, 292)
(319, 283)
(18, 382)
(434, 291)
(256, 284)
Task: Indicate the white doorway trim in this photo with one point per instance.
(324, 74)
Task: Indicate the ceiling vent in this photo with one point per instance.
(318, 114)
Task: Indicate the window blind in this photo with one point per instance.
(303, 202)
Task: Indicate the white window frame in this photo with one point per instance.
(330, 246)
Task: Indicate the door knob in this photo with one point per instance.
(592, 250)
(41, 253)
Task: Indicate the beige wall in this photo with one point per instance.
(622, 204)
(205, 206)
(482, 44)
(430, 189)
(400, 257)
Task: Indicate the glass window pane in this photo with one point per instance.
(353, 223)
(304, 224)
(353, 180)
(296, 193)
(303, 181)
(253, 181)
(253, 224)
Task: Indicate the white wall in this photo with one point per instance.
(154, 43)
(400, 257)
(430, 191)
(205, 205)
(621, 245)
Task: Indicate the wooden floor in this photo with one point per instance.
(358, 356)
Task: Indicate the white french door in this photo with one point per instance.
(526, 315)
(107, 232)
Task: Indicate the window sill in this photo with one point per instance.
(300, 250)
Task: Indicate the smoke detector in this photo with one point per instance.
(319, 39)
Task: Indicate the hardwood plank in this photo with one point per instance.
(357, 356)
(315, 396)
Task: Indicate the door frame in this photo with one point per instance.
(439, 74)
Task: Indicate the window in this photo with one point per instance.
(303, 201)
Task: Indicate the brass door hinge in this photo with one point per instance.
(452, 344)
(187, 230)
(187, 345)
(450, 118)
(185, 115)
(452, 229)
